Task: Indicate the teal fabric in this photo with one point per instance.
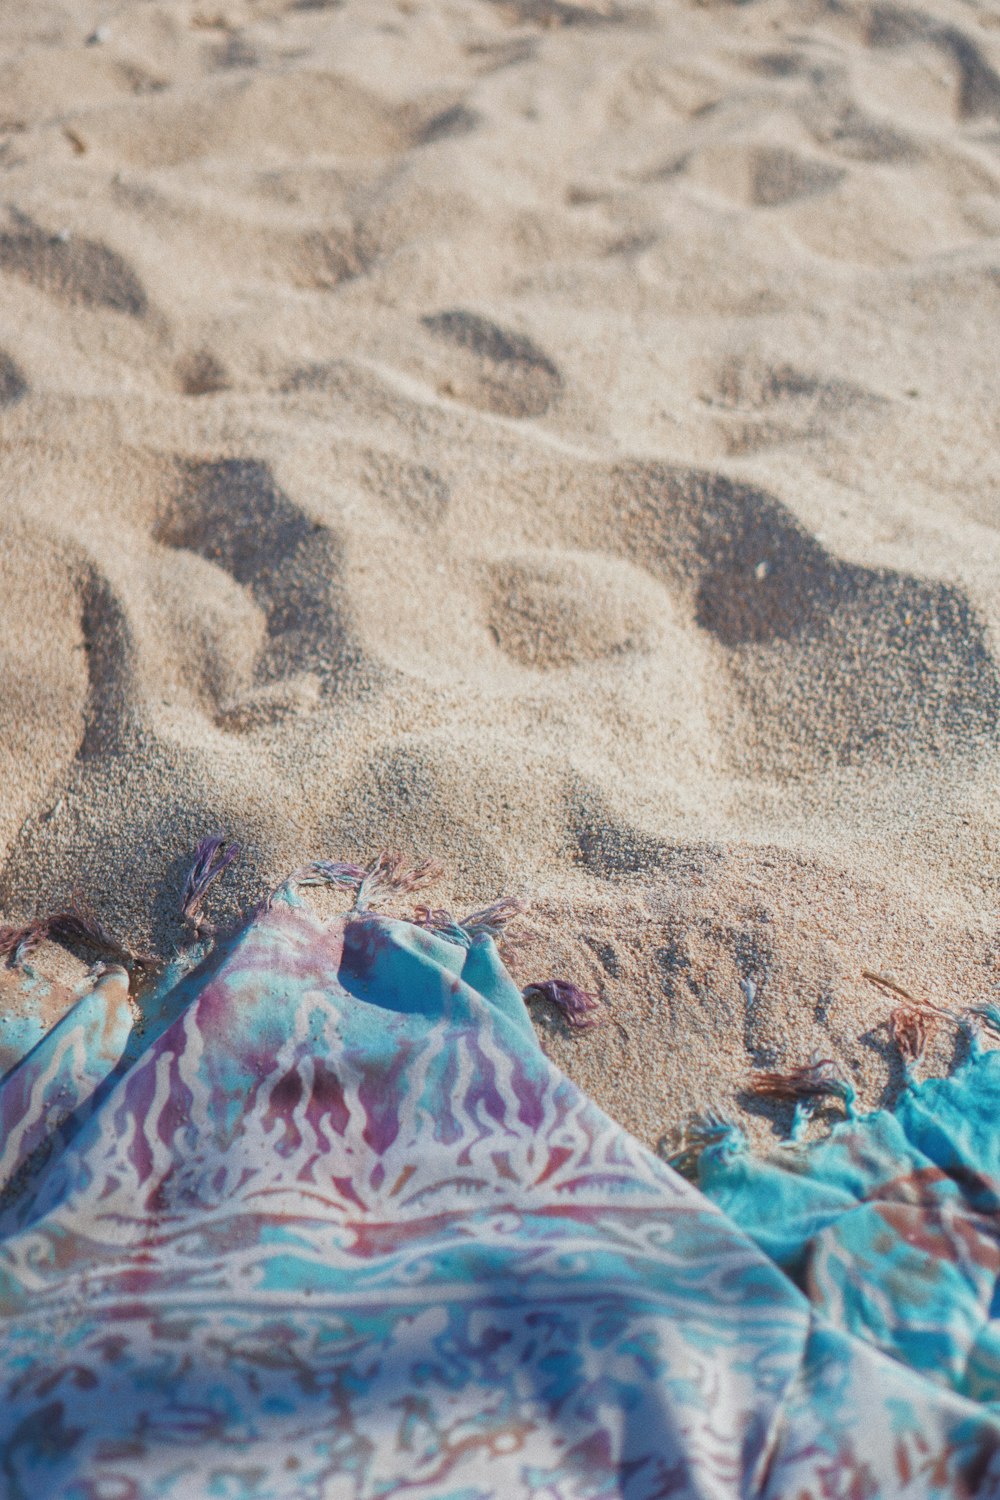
(891, 1225)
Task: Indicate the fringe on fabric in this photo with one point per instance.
(684, 1151)
(387, 877)
(76, 926)
(212, 858)
(912, 1025)
(579, 1008)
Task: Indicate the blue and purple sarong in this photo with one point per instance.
(317, 1219)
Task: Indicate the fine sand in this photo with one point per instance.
(558, 438)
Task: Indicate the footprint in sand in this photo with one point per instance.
(558, 611)
(43, 667)
(833, 662)
(493, 368)
(609, 846)
(323, 258)
(79, 271)
(552, 13)
(200, 373)
(764, 176)
(976, 83)
(114, 714)
(414, 493)
(12, 383)
(297, 115)
(233, 513)
(457, 120)
(762, 403)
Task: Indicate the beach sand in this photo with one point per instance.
(560, 439)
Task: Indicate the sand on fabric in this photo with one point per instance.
(560, 438)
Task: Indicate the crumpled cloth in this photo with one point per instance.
(326, 1222)
(891, 1225)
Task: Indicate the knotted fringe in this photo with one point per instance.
(386, 876)
(810, 1081)
(983, 1017)
(912, 1025)
(710, 1129)
(76, 925)
(18, 943)
(804, 1086)
(493, 921)
(911, 1028)
(577, 1006)
(212, 856)
(433, 918)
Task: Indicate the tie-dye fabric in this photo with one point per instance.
(891, 1225)
(321, 1220)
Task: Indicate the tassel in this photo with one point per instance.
(804, 1083)
(913, 1024)
(443, 923)
(577, 1005)
(75, 925)
(434, 918)
(78, 925)
(17, 944)
(212, 856)
(494, 920)
(388, 875)
(694, 1139)
(911, 1028)
(329, 872)
(987, 1016)
(926, 1007)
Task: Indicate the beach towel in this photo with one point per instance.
(311, 1214)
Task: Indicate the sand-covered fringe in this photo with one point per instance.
(580, 1009)
(912, 1025)
(74, 927)
(211, 858)
(809, 1081)
(387, 875)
